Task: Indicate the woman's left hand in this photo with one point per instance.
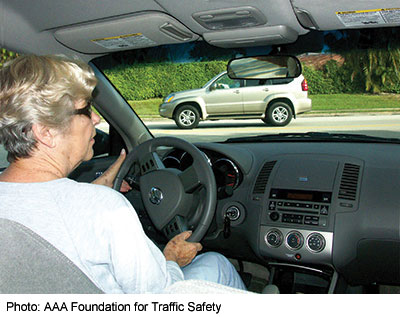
(108, 177)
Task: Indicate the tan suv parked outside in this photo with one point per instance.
(275, 101)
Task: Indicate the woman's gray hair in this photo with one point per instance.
(39, 89)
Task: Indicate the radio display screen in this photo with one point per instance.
(301, 195)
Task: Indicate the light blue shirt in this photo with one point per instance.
(97, 228)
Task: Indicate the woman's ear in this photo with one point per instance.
(44, 135)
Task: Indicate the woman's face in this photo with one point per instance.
(78, 139)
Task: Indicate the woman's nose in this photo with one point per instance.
(95, 118)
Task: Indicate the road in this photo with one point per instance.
(209, 131)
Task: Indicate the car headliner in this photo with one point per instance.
(71, 27)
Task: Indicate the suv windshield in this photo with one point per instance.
(349, 85)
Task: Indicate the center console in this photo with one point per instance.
(305, 208)
(299, 202)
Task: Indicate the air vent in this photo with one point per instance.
(349, 182)
(262, 179)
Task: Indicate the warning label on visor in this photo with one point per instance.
(131, 41)
(369, 17)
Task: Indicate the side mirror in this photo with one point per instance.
(213, 87)
(264, 67)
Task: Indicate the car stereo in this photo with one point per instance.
(300, 207)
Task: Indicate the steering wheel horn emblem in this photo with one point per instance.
(155, 195)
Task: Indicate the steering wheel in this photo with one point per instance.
(174, 200)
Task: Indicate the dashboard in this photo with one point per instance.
(333, 205)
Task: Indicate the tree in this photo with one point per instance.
(379, 68)
(372, 54)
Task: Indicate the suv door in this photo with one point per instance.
(257, 91)
(224, 97)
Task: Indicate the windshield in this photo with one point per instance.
(349, 85)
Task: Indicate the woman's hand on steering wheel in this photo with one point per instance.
(108, 177)
(181, 251)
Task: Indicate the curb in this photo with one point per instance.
(349, 113)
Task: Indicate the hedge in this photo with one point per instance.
(146, 81)
(332, 79)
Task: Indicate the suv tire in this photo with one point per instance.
(278, 114)
(187, 117)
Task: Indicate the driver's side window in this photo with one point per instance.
(224, 82)
(107, 140)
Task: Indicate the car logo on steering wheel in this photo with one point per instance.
(155, 195)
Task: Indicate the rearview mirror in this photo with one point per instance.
(264, 67)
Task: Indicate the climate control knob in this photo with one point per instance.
(273, 238)
(315, 242)
(294, 240)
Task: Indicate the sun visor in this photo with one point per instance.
(344, 14)
(267, 35)
(129, 32)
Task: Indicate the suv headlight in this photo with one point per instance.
(169, 98)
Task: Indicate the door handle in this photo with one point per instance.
(236, 92)
(266, 89)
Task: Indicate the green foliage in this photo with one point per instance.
(333, 78)
(378, 69)
(145, 81)
(6, 56)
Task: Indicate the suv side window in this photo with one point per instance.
(266, 82)
(253, 82)
(280, 81)
(224, 82)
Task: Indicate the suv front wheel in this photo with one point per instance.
(187, 117)
(278, 114)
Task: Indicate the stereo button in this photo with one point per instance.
(324, 210)
(274, 216)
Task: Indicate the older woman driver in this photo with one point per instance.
(47, 126)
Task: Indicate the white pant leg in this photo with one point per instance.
(213, 267)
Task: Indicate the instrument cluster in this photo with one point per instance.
(227, 174)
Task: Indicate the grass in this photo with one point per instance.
(345, 102)
(146, 108)
(320, 103)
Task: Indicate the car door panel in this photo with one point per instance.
(254, 99)
(224, 96)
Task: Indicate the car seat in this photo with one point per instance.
(31, 265)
